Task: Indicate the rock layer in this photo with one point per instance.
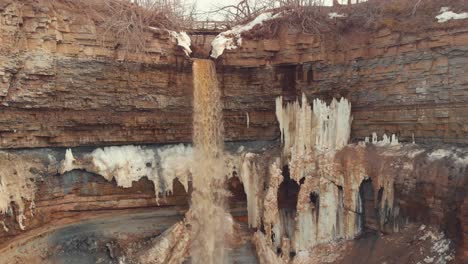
(61, 85)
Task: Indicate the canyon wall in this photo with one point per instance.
(63, 85)
(402, 83)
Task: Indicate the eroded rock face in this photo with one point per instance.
(61, 87)
(359, 188)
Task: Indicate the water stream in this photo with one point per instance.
(208, 216)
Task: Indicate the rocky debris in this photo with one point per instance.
(172, 246)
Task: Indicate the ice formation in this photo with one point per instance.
(125, 164)
(183, 40)
(446, 15)
(311, 136)
(265, 253)
(252, 181)
(305, 130)
(325, 128)
(68, 162)
(17, 185)
(329, 206)
(271, 218)
(386, 140)
(176, 163)
(128, 164)
(231, 39)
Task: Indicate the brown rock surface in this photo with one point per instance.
(61, 86)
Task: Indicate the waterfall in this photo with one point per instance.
(207, 209)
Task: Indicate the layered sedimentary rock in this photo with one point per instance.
(50, 200)
(343, 190)
(64, 86)
(61, 86)
(360, 187)
(367, 187)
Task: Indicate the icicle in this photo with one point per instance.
(386, 140)
(17, 185)
(271, 217)
(128, 164)
(67, 164)
(394, 140)
(326, 127)
(253, 186)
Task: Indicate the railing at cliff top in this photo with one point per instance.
(207, 27)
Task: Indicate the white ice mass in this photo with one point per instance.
(446, 15)
(127, 164)
(183, 40)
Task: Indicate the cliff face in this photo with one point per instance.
(62, 85)
(341, 195)
(404, 83)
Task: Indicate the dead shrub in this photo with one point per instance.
(127, 22)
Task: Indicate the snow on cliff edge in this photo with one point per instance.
(446, 15)
(231, 39)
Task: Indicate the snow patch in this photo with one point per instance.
(231, 39)
(459, 156)
(333, 15)
(446, 15)
(183, 40)
(440, 251)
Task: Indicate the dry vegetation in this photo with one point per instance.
(397, 15)
(128, 22)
